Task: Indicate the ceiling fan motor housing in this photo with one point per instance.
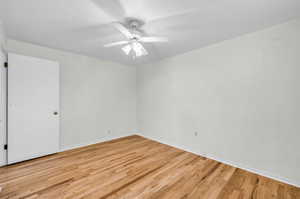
(133, 23)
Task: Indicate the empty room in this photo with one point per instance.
(149, 99)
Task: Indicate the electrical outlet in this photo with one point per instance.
(196, 133)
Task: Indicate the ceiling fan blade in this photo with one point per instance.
(153, 39)
(123, 30)
(181, 19)
(118, 43)
(113, 8)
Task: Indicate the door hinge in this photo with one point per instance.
(5, 64)
(5, 147)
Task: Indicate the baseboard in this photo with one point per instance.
(232, 163)
(103, 139)
(75, 146)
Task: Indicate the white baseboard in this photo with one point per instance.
(103, 139)
(232, 163)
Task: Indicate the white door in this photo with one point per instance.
(33, 107)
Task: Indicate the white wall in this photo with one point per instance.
(242, 96)
(2, 96)
(96, 96)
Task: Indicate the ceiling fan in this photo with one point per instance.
(133, 45)
(134, 29)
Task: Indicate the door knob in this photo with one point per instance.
(55, 113)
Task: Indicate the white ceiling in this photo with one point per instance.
(82, 26)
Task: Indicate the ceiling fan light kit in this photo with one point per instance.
(136, 47)
(133, 33)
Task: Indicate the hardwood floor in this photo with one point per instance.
(135, 167)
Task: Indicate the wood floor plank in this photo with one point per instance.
(134, 168)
